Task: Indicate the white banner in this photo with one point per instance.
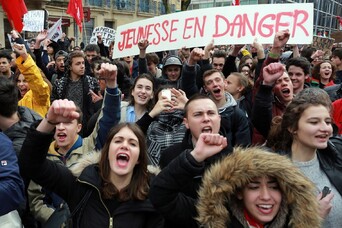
(55, 32)
(34, 21)
(226, 25)
(108, 35)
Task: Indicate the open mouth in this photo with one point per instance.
(217, 91)
(61, 136)
(322, 136)
(207, 130)
(23, 91)
(122, 159)
(265, 208)
(285, 91)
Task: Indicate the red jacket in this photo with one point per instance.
(337, 114)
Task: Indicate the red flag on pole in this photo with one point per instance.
(236, 2)
(75, 9)
(15, 10)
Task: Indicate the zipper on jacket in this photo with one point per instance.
(110, 222)
(98, 191)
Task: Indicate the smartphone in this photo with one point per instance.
(326, 190)
(166, 93)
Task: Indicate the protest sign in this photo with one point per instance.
(226, 25)
(34, 21)
(108, 35)
(337, 36)
(323, 43)
(55, 32)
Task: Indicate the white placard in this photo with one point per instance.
(226, 25)
(108, 35)
(34, 21)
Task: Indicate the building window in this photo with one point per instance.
(161, 8)
(108, 5)
(144, 6)
(109, 24)
(128, 5)
(98, 3)
(87, 31)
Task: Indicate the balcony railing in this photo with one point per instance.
(147, 6)
(144, 6)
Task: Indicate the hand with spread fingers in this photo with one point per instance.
(95, 97)
(178, 98)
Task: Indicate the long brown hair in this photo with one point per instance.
(280, 138)
(317, 68)
(150, 103)
(138, 187)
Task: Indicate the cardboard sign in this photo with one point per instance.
(337, 36)
(34, 21)
(226, 25)
(323, 43)
(108, 35)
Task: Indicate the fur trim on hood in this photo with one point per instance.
(223, 179)
(86, 160)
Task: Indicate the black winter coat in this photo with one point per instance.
(59, 179)
(174, 191)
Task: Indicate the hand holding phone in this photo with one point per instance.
(166, 93)
(326, 190)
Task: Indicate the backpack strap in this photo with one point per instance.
(80, 207)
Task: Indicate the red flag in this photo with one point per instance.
(340, 21)
(236, 2)
(75, 9)
(15, 10)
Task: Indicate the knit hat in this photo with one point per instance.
(61, 53)
(172, 60)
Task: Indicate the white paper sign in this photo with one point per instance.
(108, 35)
(34, 21)
(226, 25)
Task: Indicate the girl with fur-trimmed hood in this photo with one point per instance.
(255, 188)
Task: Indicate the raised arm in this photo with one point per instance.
(262, 108)
(142, 45)
(40, 89)
(38, 54)
(166, 189)
(32, 160)
(111, 106)
(190, 71)
(230, 65)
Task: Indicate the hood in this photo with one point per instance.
(229, 103)
(221, 181)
